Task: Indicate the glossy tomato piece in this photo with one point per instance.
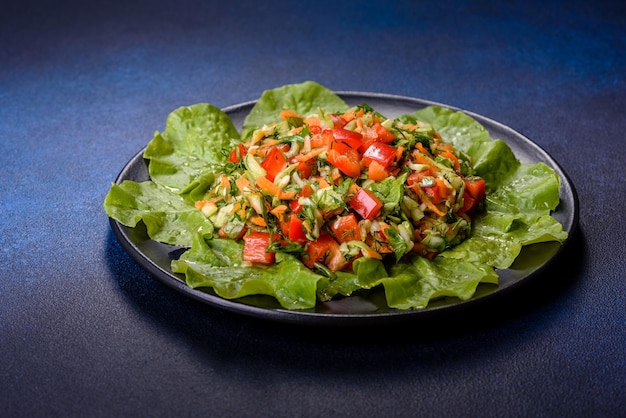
(255, 246)
(476, 187)
(346, 228)
(324, 250)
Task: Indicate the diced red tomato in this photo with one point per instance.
(348, 162)
(273, 163)
(469, 203)
(346, 228)
(475, 193)
(326, 251)
(379, 151)
(255, 246)
(476, 187)
(366, 204)
(237, 154)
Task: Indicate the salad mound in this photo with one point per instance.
(314, 200)
(333, 187)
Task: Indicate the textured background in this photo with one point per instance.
(85, 331)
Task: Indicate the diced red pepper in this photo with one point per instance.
(346, 228)
(315, 129)
(384, 134)
(350, 139)
(274, 162)
(338, 121)
(296, 233)
(379, 151)
(305, 192)
(255, 246)
(237, 154)
(348, 162)
(366, 204)
(322, 138)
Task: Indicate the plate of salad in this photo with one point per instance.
(321, 207)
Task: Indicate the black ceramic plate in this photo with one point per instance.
(367, 309)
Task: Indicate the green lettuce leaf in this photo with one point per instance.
(218, 264)
(195, 138)
(167, 216)
(415, 283)
(303, 98)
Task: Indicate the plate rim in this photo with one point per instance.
(357, 319)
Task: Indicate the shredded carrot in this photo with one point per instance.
(271, 188)
(371, 254)
(268, 186)
(444, 146)
(421, 148)
(399, 152)
(348, 116)
(455, 161)
(258, 220)
(311, 154)
(225, 182)
(428, 202)
(284, 114)
(287, 195)
(353, 188)
(269, 143)
(376, 171)
(312, 121)
(323, 183)
(359, 125)
(257, 136)
(243, 183)
(420, 158)
(296, 130)
(278, 210)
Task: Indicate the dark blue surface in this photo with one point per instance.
(85, 331)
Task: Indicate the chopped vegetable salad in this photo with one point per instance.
(333, 187)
